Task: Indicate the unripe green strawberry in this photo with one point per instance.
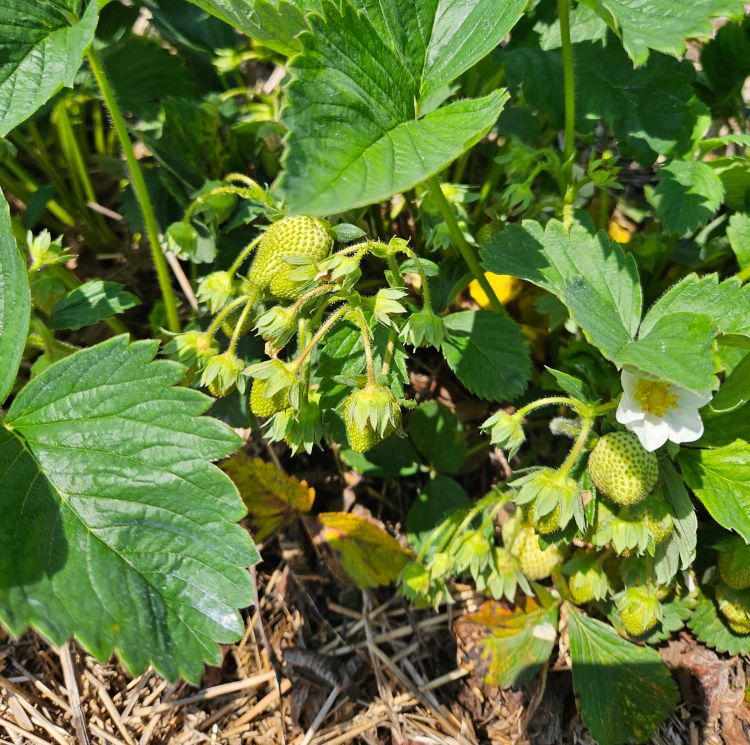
(370, 415)
(508, 528)
(264, 406)
(229, 323)
(535, 563)
(303, 236)
(639, 609)
(733, 570)
(549, 523)
(622, 469)
(734, 605)
(655, 514)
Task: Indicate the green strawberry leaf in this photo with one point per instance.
(439, 497)
(709, 628)
(478, 341)
(116, 527)
(590, 274)
(15, 303)
(687, 196)
(609, 89)
(720, 478)
(438, 435)
(738, 232)
(727, 303)
(677, 349)
(274, 23)
(90, 303)
(42, 44)
(510, 646)
(361, 102)
(625, 690)
(662, 25)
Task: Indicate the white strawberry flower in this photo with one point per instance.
(656, 411)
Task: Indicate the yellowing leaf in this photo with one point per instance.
(361, 551)
(506, 288)
(273, 499)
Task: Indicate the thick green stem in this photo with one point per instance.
(568, 86)
(461, 243)
(140, 190)
(578, 445)
(365, 331)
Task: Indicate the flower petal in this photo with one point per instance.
(653, 432)
(629, 381)
(685, 425)
(689, 400)
(628, 410)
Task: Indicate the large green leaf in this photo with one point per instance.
(687, 196)
(663, 25)
(597, 281)
(116, 527)
(720, 478)
(15, 303)
(361, 114)
(625, 690)
(677, 349)
(274, 23)
(609, 89)
(478, 341)
(90, 303)
(42, 43)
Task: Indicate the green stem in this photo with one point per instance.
(744, 274)
(238, 326)
(365, 331)
(390, 348)
(422, 276)
(573, 403)
(319, 334)
(243, 255)
(222, 314)
(140, 190)
(484, 502)
(578, 445)
(568, 85)
(461, 243)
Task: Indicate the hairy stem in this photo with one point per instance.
(578, 445)
(318, 335)
(139, 188)
(365, 331)
(563, 7)
(461, 243)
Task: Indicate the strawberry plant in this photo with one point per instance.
(494, 253)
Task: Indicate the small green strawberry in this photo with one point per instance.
(640, 610)
(734, 567)
(221, 373)
(300, 236)
(734, 605)
(264, 406)
(656, 515)
(370, 415)
(622, 469)
(587, 579)
(536, 563)
(549, 523)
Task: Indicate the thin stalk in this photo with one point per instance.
(243, 255)
(222, 314)
(550, 401)
(365, 331)
(390, 348)
(30, 186)
(578, 445)
(140, 190)
(422, 276)
(461, 243)
(238, 326)
(563, 7)
(318, 335)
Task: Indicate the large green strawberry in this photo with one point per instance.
(262, 405)
(622, 469)
(733, 565)
(301, 236)
(734, 605)
(536, 563)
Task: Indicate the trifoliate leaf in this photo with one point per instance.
(662, 25)
(117, 529)
(361, 114)
(273, 499)
(720, 478)
(709, 628)
(361, 551)
(687, 196)
(90, 303)
(507, 647)
(625, 690)
(477, 341)
(592, 275)
(42, 45)
(15, 303)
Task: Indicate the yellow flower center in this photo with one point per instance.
(655, 397)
